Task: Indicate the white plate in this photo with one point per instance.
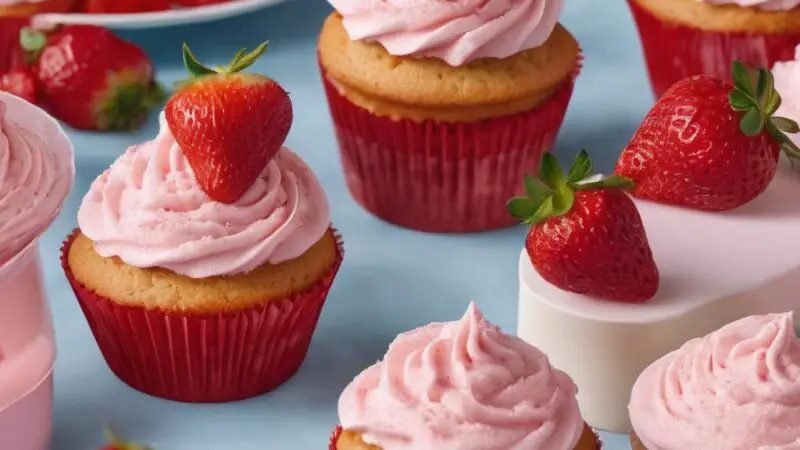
(177, 16)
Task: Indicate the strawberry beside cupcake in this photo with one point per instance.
(682, 38)
(462, 384)
(440, 108)
(203, 258)
(737, 388)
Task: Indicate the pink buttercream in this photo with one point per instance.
(735, 389)
(149, 211)
(456, 31)
(463, 385)
(765, 5)
(787, 83)
(35, 174)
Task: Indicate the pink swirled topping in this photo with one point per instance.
(463, 385)
(787, 83)
(35, 174)
(456, 31)
(149, 211)
(735, 389)
(764, 5)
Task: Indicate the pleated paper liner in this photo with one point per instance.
(589, 440)
(674, 52)
(204, 358)
(443, 177)
(11, 54)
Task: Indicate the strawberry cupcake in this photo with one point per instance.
(203, 258)
(36, 174)
(459, 385)
(682, 38)
(439, 107)
(737, 388)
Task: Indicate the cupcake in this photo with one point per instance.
(27, 8)
(201, 286)
(439, 108)
(787, 81)
(461, 385)
(681, 38)
(737, 388)
(36, 174)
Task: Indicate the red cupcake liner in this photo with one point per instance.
(674, 52)
(11, 53)
(204, 358)
(338, 432)
(442, 177)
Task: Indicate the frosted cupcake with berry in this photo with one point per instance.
(737, 388)
(36, 174)
(203, 258)
(439, 107)
(461, 385)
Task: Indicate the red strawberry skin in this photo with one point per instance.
(599, 248)
(123, 6)
(229, 127)
(92, 80)
(20, 82)
(690, 150)
(11, 53)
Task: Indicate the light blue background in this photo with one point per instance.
(392, 279)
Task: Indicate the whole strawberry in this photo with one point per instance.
(709, 145)
(93, 80)
(116, 443)
(20, 82)
(228, 124)
(586, 234)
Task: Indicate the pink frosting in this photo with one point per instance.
(149, 211)
(735, 389)
(463, 385)
(35, 176)
(765, 5)
(787, 83)
(456, 31)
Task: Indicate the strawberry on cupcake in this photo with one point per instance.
(203, 258)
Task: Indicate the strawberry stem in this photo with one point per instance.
(553, 194)
(120, 444)
(754, 96)
(241, 60)
(32, 42)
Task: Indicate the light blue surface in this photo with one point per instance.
(392, 279)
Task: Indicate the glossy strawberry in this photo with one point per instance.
(20, 82)
(123, 6)
(116, 443)
(709, 145)
(228, 124)
(586, 234)
(93, 80)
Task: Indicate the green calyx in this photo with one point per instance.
(32, 42)
(118, 443)
(553, 194)
(128, 104)
(754, 95)
(242, 60)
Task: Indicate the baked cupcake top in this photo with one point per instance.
(764, 5)
(456, 31)
(737, 388)
(36, 173)
(463, 384)
(149, 210)
(787, 82)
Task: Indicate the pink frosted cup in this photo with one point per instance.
(27, 345)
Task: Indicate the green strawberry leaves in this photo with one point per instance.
(553, 193)
(242, 60)
(755, 96)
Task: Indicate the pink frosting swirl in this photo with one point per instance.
(764, 5)
(463, 385)
(35, 177)
(456, 31)
(149, 211)
(735, 389)
(787, 83)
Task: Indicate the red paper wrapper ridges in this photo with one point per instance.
(11, 54)
(674, 52)
(442, 177)
(204, 358)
